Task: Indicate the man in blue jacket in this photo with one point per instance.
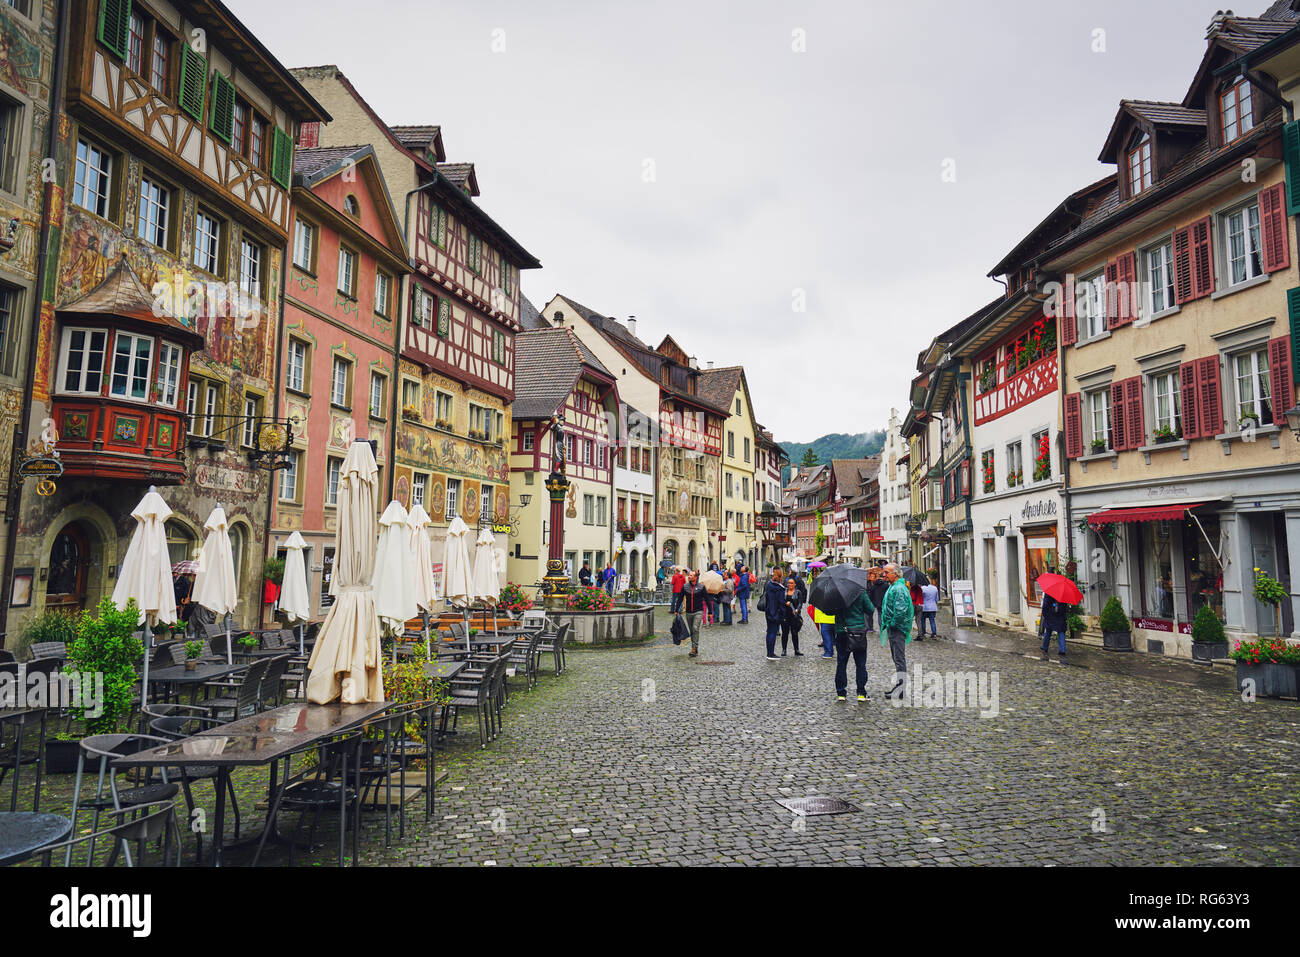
(773, 602)
(742, 594)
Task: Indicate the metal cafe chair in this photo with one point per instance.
(333, 783)
(152, 822)
(101, 750)
(174, 727)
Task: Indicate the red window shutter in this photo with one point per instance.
(1137, 433)
(1073, 426)
(309, 135)
(965, 476)
(1182, 242)
(1202, 259)
(1068, 322)
(1210, 398)
(1112, 293)
(1187, 383)
(1126, 277)
(1280, 378)
(1273, 231)
(1118, 420)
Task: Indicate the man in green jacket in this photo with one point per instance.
(851, 637)
(896, 624)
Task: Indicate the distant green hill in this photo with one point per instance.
(837, 445)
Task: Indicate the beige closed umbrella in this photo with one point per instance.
(214, 582)
(146, 572)
(394, 572)
(457, 572)
(295, 599)
(487, 586)
(425, 585)
(703, 540)
(345, 663)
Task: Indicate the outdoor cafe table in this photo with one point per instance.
(23, 833)
(445, 670)
(207, 671)
(254, 741)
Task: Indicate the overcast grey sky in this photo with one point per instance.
(774, 171)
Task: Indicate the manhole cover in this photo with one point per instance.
(715, 662)
(810, 806)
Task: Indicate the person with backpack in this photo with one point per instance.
(771, 604)
(744, 584)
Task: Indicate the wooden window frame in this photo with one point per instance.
(305, 384)
(348, 370)
(353, 272)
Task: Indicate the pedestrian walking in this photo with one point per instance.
(727, 595)
(896, 616)
(930, 605)
(584, 574)
(851, 639)
(693, 605)
(826, 624)
(877, 586)
(679, 582)
(772, 605)
(607, 578)
(744, 584)
(791, 622)
(1053, 621)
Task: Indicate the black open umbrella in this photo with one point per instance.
(913, 575)
(836, 588)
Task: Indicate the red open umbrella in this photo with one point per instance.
(1060, 588)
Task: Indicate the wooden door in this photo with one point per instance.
(69, 560)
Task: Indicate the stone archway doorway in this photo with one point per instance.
(69, 565)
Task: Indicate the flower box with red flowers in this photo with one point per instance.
(1268, 667)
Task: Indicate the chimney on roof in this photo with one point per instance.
(710, 363)
(631, 325)
(695, 363)
(1216, 23)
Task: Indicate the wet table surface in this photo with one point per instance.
(444, 669)
(176, 674)
(22, 833)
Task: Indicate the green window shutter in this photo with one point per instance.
(222, 123)
(281, 157)
(114, 24)
(1293, 310)
(1291, 152)
(194, 81)
(444, 318)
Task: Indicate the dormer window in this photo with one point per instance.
(1139, 166)
(1235, 110)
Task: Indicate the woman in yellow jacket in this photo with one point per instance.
(827, 625)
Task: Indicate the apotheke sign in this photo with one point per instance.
(1041, 509)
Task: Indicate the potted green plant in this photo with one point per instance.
(1098, 446)
(1075, 625)
(1271, 665)
(162, 631)
(1249, 419)
(1116, 631)
(1165, 433)
(105, 644)
(193, 649)
(49, 626)
(1269, 591)
(249, 643)
(1208, 640)
(61, 751)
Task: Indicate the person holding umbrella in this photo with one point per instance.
(842, 590)
(896, 624)
(1059, 594)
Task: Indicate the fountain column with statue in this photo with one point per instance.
(556, 583)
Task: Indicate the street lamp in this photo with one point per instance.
(1293, 420)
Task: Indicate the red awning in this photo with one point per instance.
(1153, 513)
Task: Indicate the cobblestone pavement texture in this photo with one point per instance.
(646, 756)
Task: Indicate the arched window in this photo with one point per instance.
(181, 543)
(351, 206)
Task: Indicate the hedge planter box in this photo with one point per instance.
(1271, 680)
(1117, 640)
(61, 756)
(1209, 650)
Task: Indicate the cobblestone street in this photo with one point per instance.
(644, 756)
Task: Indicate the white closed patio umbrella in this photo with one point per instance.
(457, 573)
(295, 600)
(345, 663)
(214, 582)
(425, 585)
(487, 586)
(394, 572)
(146, 573)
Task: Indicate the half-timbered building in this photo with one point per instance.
(162, 295)
(737, 536)
(688, 433)
(558, 378)
(459, 320)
